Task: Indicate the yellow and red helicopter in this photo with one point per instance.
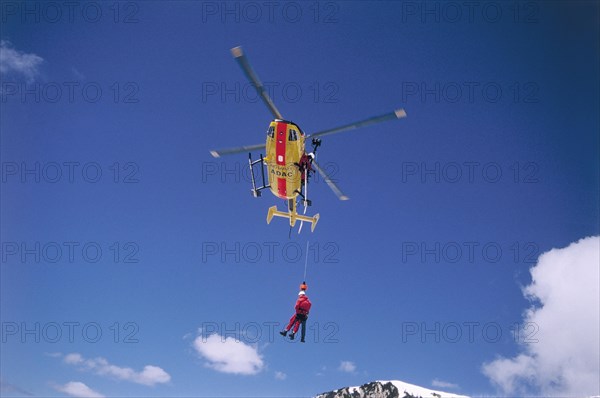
(287, 162)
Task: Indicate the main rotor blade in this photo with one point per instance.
(331, 184)
(397, 114)
(229, 151)
(238, 54)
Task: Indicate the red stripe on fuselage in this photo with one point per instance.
(281, 139)
(282, 187)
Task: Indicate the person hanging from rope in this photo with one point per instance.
(302, 308)
(305, 166)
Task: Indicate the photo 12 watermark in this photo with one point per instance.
(469, 172)
(70, 12)
(69, 172)
(268, 332)
(69, 332)
(467, 332)
(267, 252)
(469, 12)
(280, 92)
(468, 252)
(470, 92)
(70, 92)
(69, 252)
(271, 12)
(239, 172)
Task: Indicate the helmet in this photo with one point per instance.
(303, 286)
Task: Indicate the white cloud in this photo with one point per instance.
(152, 375)
(78, 389)
(73, 358)
(228, 355)
(561, 349)
(280, 376)
(17, 62)
(347, 366)
(149, 376)
(443, 384)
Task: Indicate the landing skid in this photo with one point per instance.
(292, 215)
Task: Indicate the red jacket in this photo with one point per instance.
(303, 305)
(304, 164)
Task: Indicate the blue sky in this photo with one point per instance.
(116, 220)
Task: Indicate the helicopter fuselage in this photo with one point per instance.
(284, 150)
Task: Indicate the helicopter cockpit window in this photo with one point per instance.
(271, 132)
(293, 136)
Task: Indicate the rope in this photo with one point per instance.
(306, 261)
(305, 197)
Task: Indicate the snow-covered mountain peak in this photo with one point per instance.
(388, 389)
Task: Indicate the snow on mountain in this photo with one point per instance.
(387, 389)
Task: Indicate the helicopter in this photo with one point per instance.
(287, 162)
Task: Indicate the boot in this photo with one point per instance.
(283, 333)
(292, 336)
